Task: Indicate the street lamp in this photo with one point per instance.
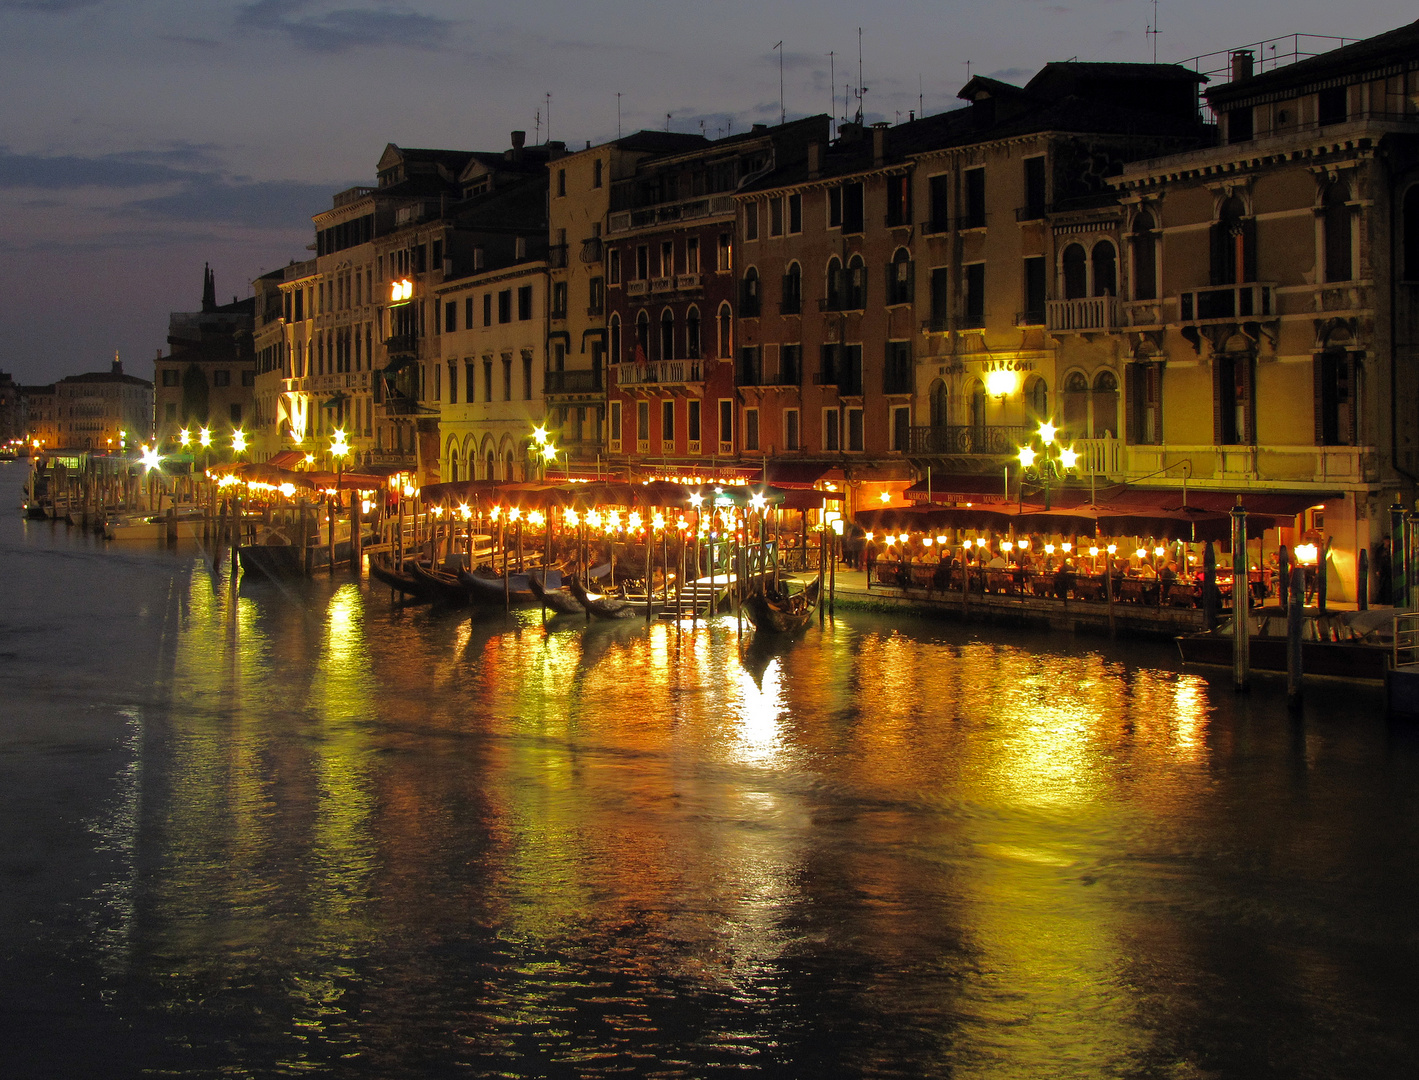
(238, 441)
(339, 449)
(1044, 461)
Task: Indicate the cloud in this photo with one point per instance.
(64, 172)
(344, 29)
(265, 204)
(1011, 75)
(194, 42)
(52, 7)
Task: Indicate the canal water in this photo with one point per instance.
(254, 830)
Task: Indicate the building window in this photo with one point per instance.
(1145, 404)
(507, 377)
(975, 198)
(1335, 397)
(725, 257)
(1034, 313)
(1034, 189)
(559, 299)
(524, 303)
(726, 425)
(505, 306)
(940, 298)
(642, 262)
(938, 193)
(856, 297)
(613, 266)
(1105, 264)
(667, 335)
(667, 258)
(726, 332)
(791, 435)
(835, 208)
(750, 366)
(795, 213)
(596, 297)
(776, 216)
(692, 254)
(487, 380)
(450, 317)
(692, 420)
(171, 377)
(899, 278)
(901, 428)
(899, 201)
(692, 333)
(975, 296)
(749, 294)
(751, 429)
(642, 337)
(487, 309)
(850, 370)
(1037, 400)
(852, 208)
(792, 302)
(1338, 229)
(642, 421)
(1233, 245)
(221, 378)
(561, 182)
(667, 420)
(468, 313)
(613, 339)
(1145, 257)
(832, 430)
(897, 372)
(170, 411)
(438, 382)
(1333, 106)
(235, 410)
(615, 425)
(1076, 272)
(751, 221)
(526, 376)
(790, 365)
(596, 168)
(1240, 124)
(1233, 388)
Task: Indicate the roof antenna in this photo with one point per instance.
(1152, 31)
(920, 95)
(537, 131)
(861, 90)
(833, 87)
(549, 116)
(618, 115)
(667, 121)
(782, 113)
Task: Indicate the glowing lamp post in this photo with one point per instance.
(1045, 462)
(339, 450)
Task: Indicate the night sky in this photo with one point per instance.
(140, 138)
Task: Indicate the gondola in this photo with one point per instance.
(1339, 644)
(443, 588)
(401, 580)
(488, 589)
(601, 606)
(777, 611)
(559, 600)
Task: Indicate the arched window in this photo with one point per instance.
(1074, 405)
(613, 334)
(792, 303)
(642, 337)
(1145, 257)
(837, 285)
(1411, 233)
(726, 332)
(492, 473)
(1233, 244)
(1076, 273)
(1105, 261)
(667, 335)
(939, 402)
(856, 284)
(692, 333)
(1037, 399)
(749, 294)
(1337, 232)
(1105, 405)
(977, 392)
(899, 283)
(509, 466)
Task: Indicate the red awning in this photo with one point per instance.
(802, 474)
(961, 488)
(286, 459)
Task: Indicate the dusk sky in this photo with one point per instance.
(141, 138)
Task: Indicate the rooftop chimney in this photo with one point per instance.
(1242, 64)
(879, 142)
(519, 139)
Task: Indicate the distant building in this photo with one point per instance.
(14, 412)
(208, 378)
(41, 416)
(103, 410)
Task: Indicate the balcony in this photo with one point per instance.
(557, 256)
(849, 384)
(660, 373)
(1030, 213)
(687, 282)
(573, 382)
(662, 284)
(637, 288)
(689, 210)
(402, 345)
(1000, 440)
(1228, 302)
(591, 250)
(1083, 315)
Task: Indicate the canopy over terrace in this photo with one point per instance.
(979, 502)
(583, 496)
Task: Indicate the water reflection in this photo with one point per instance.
(369, 840)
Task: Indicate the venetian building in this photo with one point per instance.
(103, 410)
(1270, 306)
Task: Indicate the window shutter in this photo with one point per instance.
(1218, 400)
(1246, 395)
(1318, 391)
(1219, 253)
(1155, 400)
(1131, 375)
(1249, 250)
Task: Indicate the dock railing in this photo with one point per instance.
(1406, 638)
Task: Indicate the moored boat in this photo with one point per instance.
(559, 600)
(490, 589)
(400, 579)
(780, 611)
(601, 605)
